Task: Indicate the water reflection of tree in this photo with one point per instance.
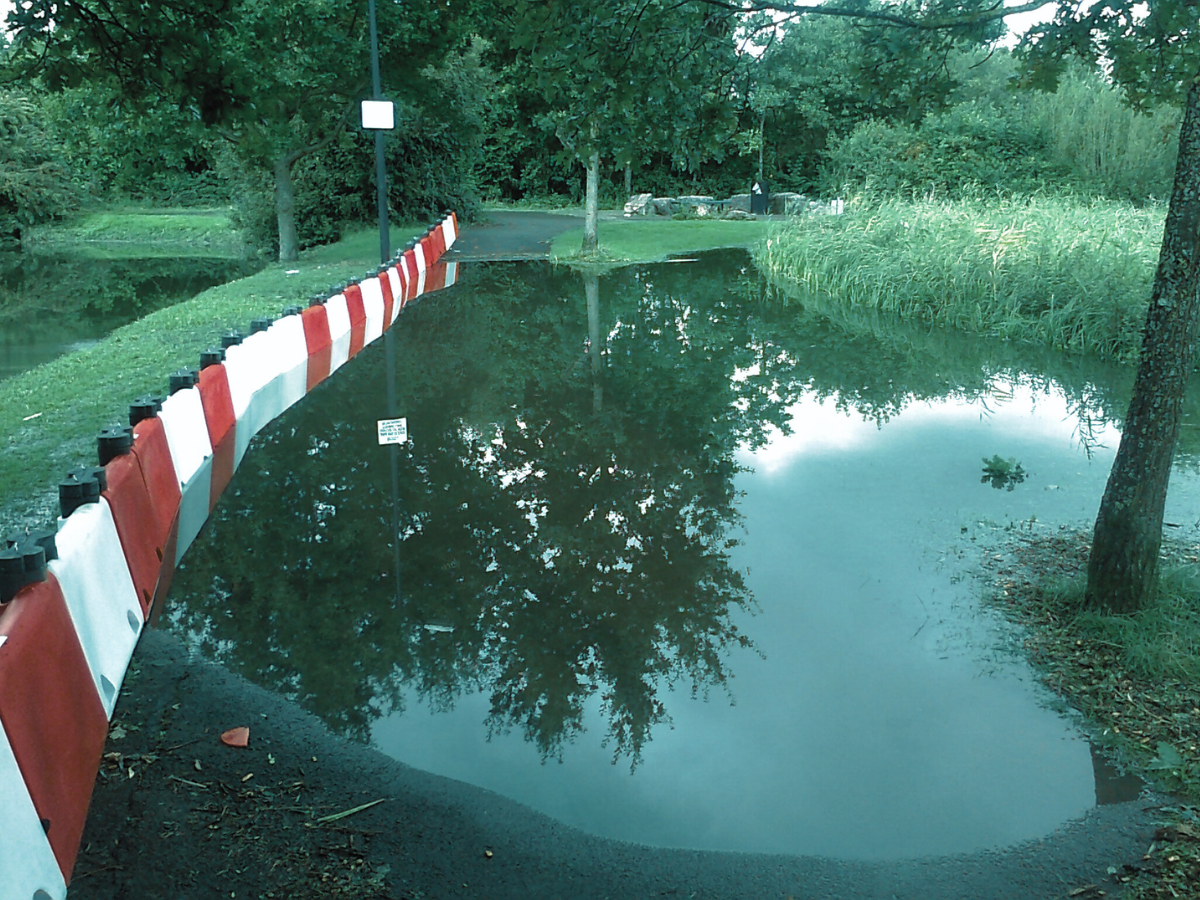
(567, 499)
(567, 513)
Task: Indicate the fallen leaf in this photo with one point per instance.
(117, 733)
(197, 765)
(247, 777)
(236, 737)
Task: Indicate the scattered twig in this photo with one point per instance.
(350, 812)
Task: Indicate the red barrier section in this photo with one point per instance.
(320, 345)
(386, 284)
(358, 318)
(154, 456)
(410, 275)
(222, 425)
(435, 277)
(437, 245)
(51, 712)
(137, 526)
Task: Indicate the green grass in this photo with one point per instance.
(182, 230)
(1055, 271)
(49, 416)
(650, 240)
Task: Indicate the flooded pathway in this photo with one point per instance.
(677, 566)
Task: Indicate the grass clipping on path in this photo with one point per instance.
(1135, 681)
(1069, 274)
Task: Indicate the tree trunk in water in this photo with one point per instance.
(1123, 565)
(591, 288)
(285, 211)
(592, 207)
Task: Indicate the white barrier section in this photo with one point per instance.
(339, 331)
(95, 582)
(399, 282)
(251, 368)
(419, 256)
(292, 350)
(448, 232)
(28, 869)
(191, 451)
(186, 429)
(372, 294)
(451, 274)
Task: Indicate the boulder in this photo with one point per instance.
(639, 205)
(786, 203)
(701, 206)
(664, 206)
(739, 201)
(739, 215)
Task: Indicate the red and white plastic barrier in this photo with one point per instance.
(53, 720)
(66, 642)
(100, 596)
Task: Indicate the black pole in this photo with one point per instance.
(385, 251)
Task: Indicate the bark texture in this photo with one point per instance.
(592, 208)
(285, 210)
(1123, 566)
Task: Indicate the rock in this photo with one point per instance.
(639, 205)
(739, 215)
(786, 203)
(701, 206)
(664, 206)
(739, 201)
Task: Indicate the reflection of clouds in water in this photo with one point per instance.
(1017, 406)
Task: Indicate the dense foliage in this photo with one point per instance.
(35, 182)
(695, 101)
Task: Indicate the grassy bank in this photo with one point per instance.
(202, 232)
(650, 240)
(1134, 680)
(1053, 271)
(49, 416)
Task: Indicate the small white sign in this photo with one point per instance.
(393, 431)
(378, 114)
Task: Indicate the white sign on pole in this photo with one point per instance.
(378, 114)
(393, 431)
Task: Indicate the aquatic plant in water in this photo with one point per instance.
(1002, 472)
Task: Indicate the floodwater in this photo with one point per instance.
(677, 565)
(51, 305)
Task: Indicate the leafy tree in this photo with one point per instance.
(35, 182)
(619, 75)
(278, 81)
(1155, 59)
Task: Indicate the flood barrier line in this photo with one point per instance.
(74, 600)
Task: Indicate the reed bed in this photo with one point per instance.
(1071, 274)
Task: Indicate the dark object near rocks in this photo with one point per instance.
(760, 198)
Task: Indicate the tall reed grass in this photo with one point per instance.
(1070, 274)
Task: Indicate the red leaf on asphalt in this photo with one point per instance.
(236, 737)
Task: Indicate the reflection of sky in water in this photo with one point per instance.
(881, 723)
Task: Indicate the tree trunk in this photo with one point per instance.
(285, 211)
(1123, 565)
(628, 180)
(592, 207)
(591, 289)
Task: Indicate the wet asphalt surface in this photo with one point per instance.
(175, 815)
